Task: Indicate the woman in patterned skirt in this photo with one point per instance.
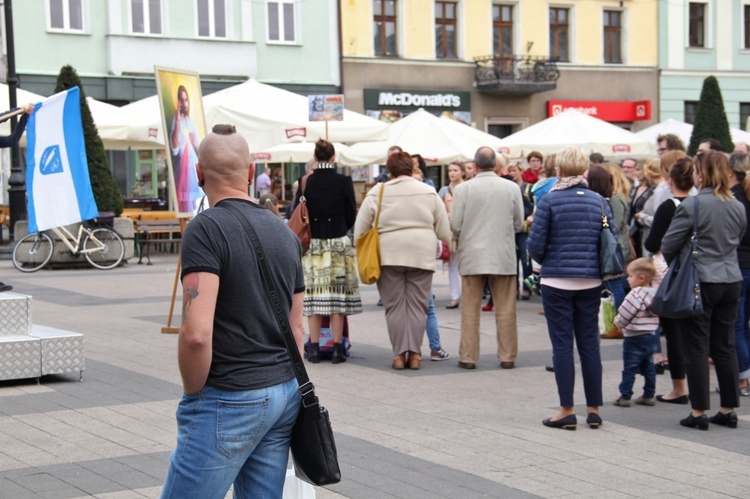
(331, 285)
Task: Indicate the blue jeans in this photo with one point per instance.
(521, 239)
(239, 437)
(741, 329)
(637, 358)
(617, 288)
(574, 316)
(433, 331)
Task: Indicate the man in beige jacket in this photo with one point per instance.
(487, 213)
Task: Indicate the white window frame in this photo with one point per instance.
(212, 20)
(517, 49)
(623, 36)
(282, 33)
(66, 17)
(744, 4)
(147, 19)
(707, 26)
(572, 53)
(460, 28)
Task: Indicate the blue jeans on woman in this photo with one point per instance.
(433, 331)
(638, 358)
(574, 316)
(741, 329)
(226, 437)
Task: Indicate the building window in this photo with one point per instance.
(146, 16)
(212, 18)
(691, 107)
(746, 22)
(502, 30)
(744, 115)
(281, 21)
(66, 15)
(612, 37)
(384, 19)
(559, 30)
(697, 26)
(445, 30)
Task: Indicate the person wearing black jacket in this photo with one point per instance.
(680, 183)
(331, 284)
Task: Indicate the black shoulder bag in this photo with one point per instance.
(611, 263)
(313, 447)
(679, 294)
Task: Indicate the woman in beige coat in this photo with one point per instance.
(412, 219)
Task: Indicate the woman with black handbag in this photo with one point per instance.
(721, 222)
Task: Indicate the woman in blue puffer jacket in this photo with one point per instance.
(564, 238)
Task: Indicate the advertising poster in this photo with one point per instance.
(184, 124)
(326, 107)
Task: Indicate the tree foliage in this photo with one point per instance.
(106, 193)
(710, 118)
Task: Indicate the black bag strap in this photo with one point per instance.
(605, 222)
(306, 388)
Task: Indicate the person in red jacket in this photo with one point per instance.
(536, 165)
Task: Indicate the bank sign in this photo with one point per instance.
(613, 111)
(414, 99)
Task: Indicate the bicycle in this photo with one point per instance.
(102, 247)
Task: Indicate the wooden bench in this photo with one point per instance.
(150, 232)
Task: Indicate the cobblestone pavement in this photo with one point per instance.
(437, 432)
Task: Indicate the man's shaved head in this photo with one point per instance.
(224, 155)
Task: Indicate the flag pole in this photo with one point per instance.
(16, 182)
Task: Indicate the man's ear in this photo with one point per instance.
(199, 173)
(251, 174)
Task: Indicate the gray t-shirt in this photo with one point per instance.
(248, 347)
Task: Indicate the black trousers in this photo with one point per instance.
(675, 351)
(712, 335)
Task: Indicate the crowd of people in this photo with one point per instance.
(539, 234)
(543, 215)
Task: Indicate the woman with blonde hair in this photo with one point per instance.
(564, 239)
(620, 207)
(721, 223)
(456, 174)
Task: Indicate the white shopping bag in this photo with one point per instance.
(294, 488)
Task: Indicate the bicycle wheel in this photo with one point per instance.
(103, 248)
(32, 252)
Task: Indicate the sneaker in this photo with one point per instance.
(621, 402)
(532, 282)
(439, 354)
(646, 401)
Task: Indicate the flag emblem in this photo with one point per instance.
(51, 162)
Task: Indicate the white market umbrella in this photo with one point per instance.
(573, 128)
(265, 115)
(685, 131)
(110, 125)
(292, 152)
(439, 141)
(679, 128)
(268, 116)
(22, 97)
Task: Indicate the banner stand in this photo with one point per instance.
(169, 329)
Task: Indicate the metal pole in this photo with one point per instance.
(17, 180)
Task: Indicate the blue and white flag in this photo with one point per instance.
(57, 172)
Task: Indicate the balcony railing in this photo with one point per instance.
(515, 74)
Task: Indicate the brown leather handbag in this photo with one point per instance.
(299, 222)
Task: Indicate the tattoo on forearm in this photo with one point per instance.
(189, 292)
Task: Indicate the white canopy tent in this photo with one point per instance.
(684, 131)
(439, 141)
(22, 97)
(293, 152)
(265, 115)
(573, 128)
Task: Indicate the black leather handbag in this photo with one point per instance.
(313, 446)
(679, 294)
(611, 262)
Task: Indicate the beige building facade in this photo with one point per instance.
(509, 63)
